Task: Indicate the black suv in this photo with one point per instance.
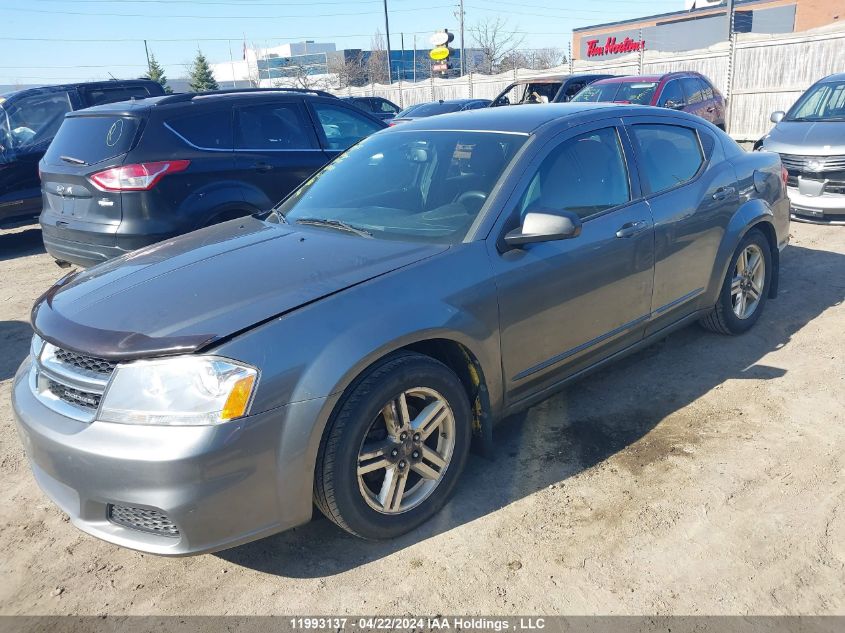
(28, 122)
(125, 175)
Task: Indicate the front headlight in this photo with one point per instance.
(183, 390)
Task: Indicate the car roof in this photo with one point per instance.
(625, 79)
(519, 120)
(555, 78)
(81, 84)
(134, 106)
(834, 77)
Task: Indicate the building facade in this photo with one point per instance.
(701, 25)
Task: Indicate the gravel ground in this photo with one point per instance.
(704, 475)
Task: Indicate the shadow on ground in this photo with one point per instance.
(14, 346)
(590, 421)
(21, 244)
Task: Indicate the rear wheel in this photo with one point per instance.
(745, 288)
(395, 448)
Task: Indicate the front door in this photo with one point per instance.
(565, 304)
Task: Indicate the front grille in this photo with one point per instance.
(89, 363)
(812, 164)
(142, 519)
(73, 396)
(832, 186)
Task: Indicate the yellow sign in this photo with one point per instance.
(439, 53)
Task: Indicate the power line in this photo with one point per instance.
(217, 17)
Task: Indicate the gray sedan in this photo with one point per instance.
(346, 348)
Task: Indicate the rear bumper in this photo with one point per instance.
(219, 486)
(824, 209)
(80, 253)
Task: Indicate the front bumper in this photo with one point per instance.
(824, 209)
(219, 485)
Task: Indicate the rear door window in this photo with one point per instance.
(92, 139)
(209, 130)
(670, 155)
(273, 126)
(693, 90)
(385, 107)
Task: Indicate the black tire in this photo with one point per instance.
(336, 487)
(722, 319)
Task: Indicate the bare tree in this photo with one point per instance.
(514, 59)
(544, 58)
(253, 73)
(349, 71)
(495, 42)
(377, 63)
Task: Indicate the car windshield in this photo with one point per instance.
(640, 92)
(426, 186)
(431, 109)
(823, 102)
(407, 111)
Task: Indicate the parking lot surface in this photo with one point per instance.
(703, 475)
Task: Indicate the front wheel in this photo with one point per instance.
(395, 448)
(745, 288)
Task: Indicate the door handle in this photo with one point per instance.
(262, 167)
(631, 229)
(722, 193)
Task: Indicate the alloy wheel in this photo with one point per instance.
(406, 451)
(748, 281)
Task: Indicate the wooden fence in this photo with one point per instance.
(758, 74)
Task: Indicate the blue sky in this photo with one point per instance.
(50, 41)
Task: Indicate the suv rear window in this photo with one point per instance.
(92, 139)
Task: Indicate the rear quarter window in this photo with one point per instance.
(93, 139)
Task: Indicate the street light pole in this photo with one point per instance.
(387, 34)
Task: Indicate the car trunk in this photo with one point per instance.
(73, 208)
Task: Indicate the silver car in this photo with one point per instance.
(810, 139)
(348, 346)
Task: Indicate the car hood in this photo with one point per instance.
(184, 294)
(806, 138)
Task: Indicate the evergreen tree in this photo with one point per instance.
(201, 78)
(156, 73)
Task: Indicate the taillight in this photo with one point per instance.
(139, 177)
(784, 176)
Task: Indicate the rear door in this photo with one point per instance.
(714, 104)
(276, 149)
(694, 92)
(73, 208)
(692, 192)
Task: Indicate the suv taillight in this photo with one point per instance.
(139, 177)
(784, 176)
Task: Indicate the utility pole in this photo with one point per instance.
(387, 35)
(463, 61)
(415, 58)
(730, 18)
(147, 51)
(402, 45)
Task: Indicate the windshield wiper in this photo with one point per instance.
(335, 224)
(71, 159)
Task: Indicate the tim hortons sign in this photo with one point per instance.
(612, 47)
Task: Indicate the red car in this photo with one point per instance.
(687, 91)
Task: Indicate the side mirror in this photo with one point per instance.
(545, 226)
(777, 117)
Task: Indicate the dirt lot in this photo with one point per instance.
(704, 475)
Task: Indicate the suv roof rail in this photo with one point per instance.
(188, 96)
